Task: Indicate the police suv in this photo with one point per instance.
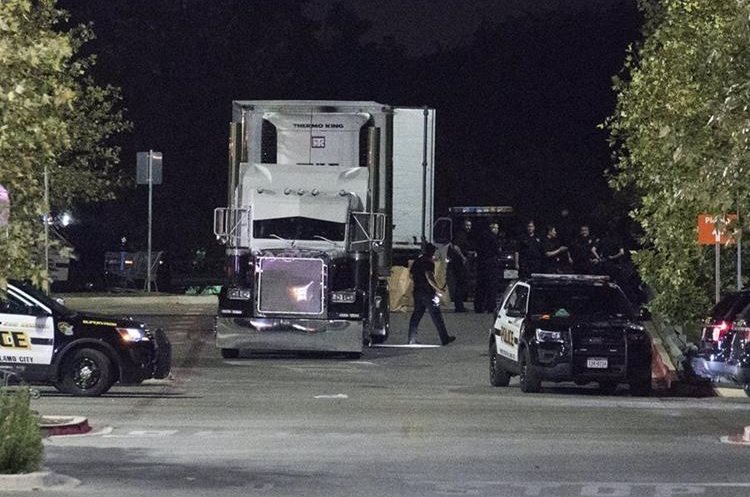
(42, 341)
(569, 328)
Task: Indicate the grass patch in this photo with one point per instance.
(21, 447)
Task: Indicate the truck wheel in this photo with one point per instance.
(640, 388)
(86, 373)
(529, 377)
(499, 377)
(230, 353)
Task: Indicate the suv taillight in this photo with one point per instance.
(718, 331)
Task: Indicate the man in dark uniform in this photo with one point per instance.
(459, 251)
(584, 251)
(556, 255)
(427, 295)
(488, 270)
(530, 251)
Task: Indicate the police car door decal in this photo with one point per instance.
(26, 339)
(508, 328)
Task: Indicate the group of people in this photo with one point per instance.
(559, 250)
(488, 253)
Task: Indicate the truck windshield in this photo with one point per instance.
(579, 301)
(299, 228)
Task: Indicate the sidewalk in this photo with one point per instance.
(142, 303)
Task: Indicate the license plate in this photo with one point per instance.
(597, 363)
(510, 274)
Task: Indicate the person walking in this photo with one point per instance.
(427, 295)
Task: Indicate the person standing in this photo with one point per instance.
(530, 251)
(488, 249)
(427, 295)
(584, 252)
(459, 252)
(555, 253)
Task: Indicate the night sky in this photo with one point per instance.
(519, 87)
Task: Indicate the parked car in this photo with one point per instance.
(42, 341)
(569, 328)
(724, 350)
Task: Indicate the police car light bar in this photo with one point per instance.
(575, 277)
(482, 210)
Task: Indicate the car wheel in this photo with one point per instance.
(499, 377)
(86, 373)
(608, 387)
(641, 388)
(230, 353)
(529, 377)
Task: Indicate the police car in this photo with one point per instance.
(42, 341)
(569, 328)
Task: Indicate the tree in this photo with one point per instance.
(680, 133)
(54, 118)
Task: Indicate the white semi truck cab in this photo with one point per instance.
(307, 228)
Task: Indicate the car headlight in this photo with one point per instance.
(346, 297)
(548, 336)
(133, 334)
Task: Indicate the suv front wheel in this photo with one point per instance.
(530, 379)
(499, 377)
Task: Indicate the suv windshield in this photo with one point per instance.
(580, 300)
(298, 228)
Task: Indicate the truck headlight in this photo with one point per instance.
(132, 334)
(239, 294)
(346, 297)
(548, 336)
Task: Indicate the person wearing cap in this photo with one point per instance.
(427, 295)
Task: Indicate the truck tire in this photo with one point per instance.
(529, 377)
(230, 353)
(499, 377)
(86, 373)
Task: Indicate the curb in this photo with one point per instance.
(55, 426)
(663, 372)
(37, 481)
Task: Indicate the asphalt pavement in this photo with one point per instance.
(399, 421)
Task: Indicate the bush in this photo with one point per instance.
(20, 439)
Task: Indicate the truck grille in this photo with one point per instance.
(606, 343)
(291, 285)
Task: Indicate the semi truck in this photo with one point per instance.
(315, 208)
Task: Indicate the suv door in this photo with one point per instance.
(26, 330)
(509, 321)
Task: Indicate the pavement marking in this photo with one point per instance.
(145, 433)
(583, 489)
(334, 396)
(405, 346)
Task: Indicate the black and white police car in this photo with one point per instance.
(569, 328)
(44, 342)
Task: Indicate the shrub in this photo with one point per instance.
(20, 439)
